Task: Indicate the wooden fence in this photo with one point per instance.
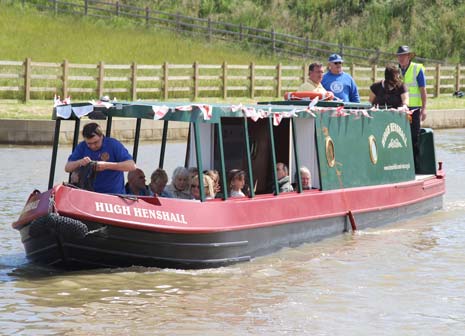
(25, 80)
(284, 44)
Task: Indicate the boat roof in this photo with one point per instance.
(194, 112)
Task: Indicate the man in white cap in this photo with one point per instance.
(340, 83)
(415, 80)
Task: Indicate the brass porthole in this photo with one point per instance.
(330, 155)
(373, 149)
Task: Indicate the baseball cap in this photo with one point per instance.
(335, 58)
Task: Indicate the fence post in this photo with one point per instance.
(196, 80)
(252, 80)
(352, 70)
(307, 46)
(341, 50)
(240, 32)
(117, 9)
(437, 87)
(27, 79)
(65, 66)
(378, 53)
(165, 80)
(134, 81)
(278, 80)
(209, 29)
(55, 6)
(147, 16)
(373, 73)
(178, 22)
(273, 40)
(225, 80)
(101, 74)
(457, 77)
(86, 7)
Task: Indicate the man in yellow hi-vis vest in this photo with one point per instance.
(415, 80)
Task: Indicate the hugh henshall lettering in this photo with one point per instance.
(140, 212)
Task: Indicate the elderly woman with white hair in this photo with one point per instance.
(179, 186)
(306, 177)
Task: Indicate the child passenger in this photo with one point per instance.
(236, 182)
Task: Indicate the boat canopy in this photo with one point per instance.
(344, 145)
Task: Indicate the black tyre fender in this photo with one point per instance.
(65, 227)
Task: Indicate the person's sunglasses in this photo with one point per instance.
(337, 62)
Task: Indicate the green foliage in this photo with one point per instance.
(425, 25)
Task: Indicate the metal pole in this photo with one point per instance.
(249, 160)
(223, 168)
(136, 139)
(163, 144)
(56, 139)
(297, 163)
(198, 152)
(109, 122)
(273, 155)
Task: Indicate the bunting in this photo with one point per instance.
(277, 117)
(57, 101)
(159, 111)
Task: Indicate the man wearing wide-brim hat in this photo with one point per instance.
(415, 80)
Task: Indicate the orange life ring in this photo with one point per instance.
(308, 95)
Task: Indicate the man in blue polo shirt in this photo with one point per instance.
(112, 159)
(340, 83)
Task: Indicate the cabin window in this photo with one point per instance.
(235, 153)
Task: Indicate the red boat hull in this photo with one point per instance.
(163, 232)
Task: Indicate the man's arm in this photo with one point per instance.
(127, 165)
(421, 81)
(73, 165)
(423, 103)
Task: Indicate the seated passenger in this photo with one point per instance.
(207, 184)
(179, 187)
(136, 184)
(315, 75)
(158, 181)
(111, 157)
(236, 182)
(215, 176)
(284, 182)
(306, 177)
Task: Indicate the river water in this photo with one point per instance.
(406, 278)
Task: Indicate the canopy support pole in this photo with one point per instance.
(198, 152)
(136, 139)
(273, 155)
(249, 160)
(163, 144)
(297, 164)
(56, 139)
(224, 182)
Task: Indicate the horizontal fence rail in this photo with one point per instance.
(284, 44)
(26, 80)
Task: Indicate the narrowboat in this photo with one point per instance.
(362, 175)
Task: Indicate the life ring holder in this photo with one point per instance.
(308, 95)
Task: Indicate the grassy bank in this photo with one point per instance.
(42, 109)
(44, 37)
